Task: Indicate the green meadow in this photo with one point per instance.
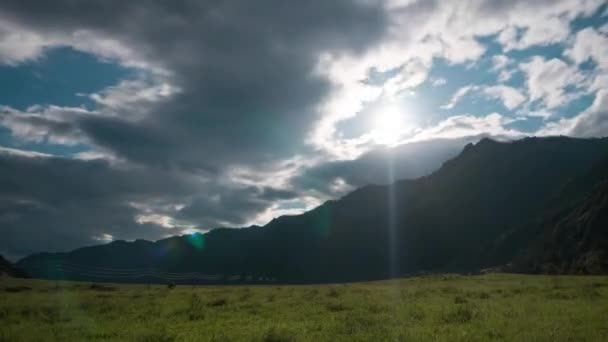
(501, 307)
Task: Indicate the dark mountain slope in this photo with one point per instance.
(571, 236)
(460, 218)
(8, 269)
(578, 243)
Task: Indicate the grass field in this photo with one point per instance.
(431, 308)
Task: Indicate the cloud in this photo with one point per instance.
(510, 96)
(50, 124)
(437, 82)
(589, 44)
(459, 126)
(234, 113)
(67, 203)
(547, 81)
(242, 76)
(64, 203)
(593, 122)
(458, 95)
(134, 97)
(380, 166)
(420, 32)
(18, 44)
(502, 64)
(539, 22)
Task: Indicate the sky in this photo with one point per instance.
(139, 119)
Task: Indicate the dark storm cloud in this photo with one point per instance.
(248, 94)
(54, 204)
(245, 69)
(234, 207)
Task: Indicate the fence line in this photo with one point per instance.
(126, 273)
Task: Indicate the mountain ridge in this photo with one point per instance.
(454, 219)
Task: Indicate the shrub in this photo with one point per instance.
(484, 295)
(98, 287)
(195, 308)
(334, 293)
(312, 293)
(416, 314)
(245, 295)
(462, 314)
(336, 307)
(275, 335)
(218, 302)
(160, 335)
(16, 289)
(559, 295)
(460, 300)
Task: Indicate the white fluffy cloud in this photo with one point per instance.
(421, 31)
(134, 97)
(547, 80)
(467, 125)
(510, 97)
(593, 122)
(50, 124)
(458, 95)
(18, 44)
(590, 44)
(438, 82)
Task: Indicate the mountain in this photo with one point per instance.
(8, 269)
(526, 203)
(572, 236)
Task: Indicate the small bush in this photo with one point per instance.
(16, 289)
(157, 336)
(275, 335)
(49, 314)
(416, 315)
(448, 289)
(245, 295)
(484, 295)
(560, 295)
(376, 308)
(460, 300)
(516, 291)
(171, 286)
(218, 302)
(98, 287)
(335, 307)
(460, 315)
(195, 308)
(334, 293)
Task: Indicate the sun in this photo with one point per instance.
(388, 125)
